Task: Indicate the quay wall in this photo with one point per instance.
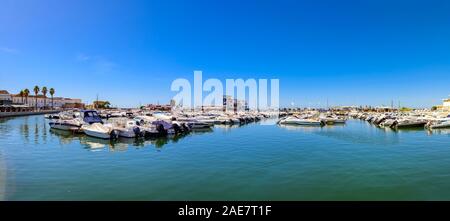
(26, 113)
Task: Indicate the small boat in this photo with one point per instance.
(164, 127)
(51, 116)
(440, 123)
(129, 130)
(66, 124)
(408, 123)
(195, 124)
(387, 123)
(333, 120)
(298, 121)
(103, 131)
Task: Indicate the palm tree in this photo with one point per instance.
(44, 92)
(36, 92)
(26, 92)
(21, 93)
(52, 92)
(107, 104)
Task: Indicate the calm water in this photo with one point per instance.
(254, 162)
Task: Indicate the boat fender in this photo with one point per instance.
(114, 135)
(137, 131)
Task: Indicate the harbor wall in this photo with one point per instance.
(26, 113)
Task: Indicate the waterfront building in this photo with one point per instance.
(446, 103)
(40, 100)
(5, 97)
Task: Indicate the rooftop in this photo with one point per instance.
(30, 96)
(4, 92)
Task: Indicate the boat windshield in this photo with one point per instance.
(90, 114)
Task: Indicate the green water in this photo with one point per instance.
(356, 161)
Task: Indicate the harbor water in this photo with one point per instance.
(355, 161)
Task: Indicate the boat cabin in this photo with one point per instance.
(90, 116)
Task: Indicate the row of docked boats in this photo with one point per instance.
(138, 124)
(396, 120)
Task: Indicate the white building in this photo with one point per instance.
(446, 103)
(41, 100)
(5, 97)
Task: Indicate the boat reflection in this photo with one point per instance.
(304, 128)
(444, 131)
(65, 137)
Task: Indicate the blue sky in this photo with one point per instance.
(129, 52)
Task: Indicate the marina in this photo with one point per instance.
(223, 160)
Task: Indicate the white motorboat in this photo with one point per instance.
(103, 131)
(387, 123)
(408, 123)
(440, 123)
(129, 130)
(195, 124)
(443, 124)
(333, 120)
(298, 121)
(66, 124)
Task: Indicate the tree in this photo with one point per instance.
(44, 92)
(36, 92)
(102, 104)
(52, 92)
(21, 93)
(26, 92)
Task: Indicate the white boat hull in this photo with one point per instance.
(441, 125)
(127, 133)
(64, 127)
(97, 134)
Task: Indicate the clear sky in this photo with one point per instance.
(129, 52)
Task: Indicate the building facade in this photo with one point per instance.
(446, 103)
(5, 98)
(41, 100)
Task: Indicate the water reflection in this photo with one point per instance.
(65, 137)
(347, 134)
(444, 131)
(122, 144)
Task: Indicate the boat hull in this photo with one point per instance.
(64, 126)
